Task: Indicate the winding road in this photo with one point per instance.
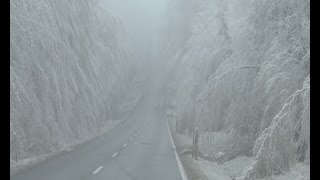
(138, 149)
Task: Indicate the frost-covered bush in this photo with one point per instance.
(287, 139)
(69, 72)
(247, 58)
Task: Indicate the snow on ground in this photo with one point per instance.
(206, 170)
(212, 170)
(299, 172)
(201, 169)
(192, 169)
(235, 167)
(227, 171)
(16, 167)
(22, 164)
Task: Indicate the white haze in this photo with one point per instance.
(237, 68)
(142, 19)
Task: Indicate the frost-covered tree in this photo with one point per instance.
(70, 72)
(248, 59)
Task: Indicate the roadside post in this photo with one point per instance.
(194, 134)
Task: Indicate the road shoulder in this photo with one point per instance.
(206, 170)
(25, 164)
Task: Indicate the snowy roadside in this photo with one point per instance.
(299, 172)
(206, 170)
(229, 170)
(16, 167)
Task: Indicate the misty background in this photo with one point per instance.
(143, 20)
(238, 70)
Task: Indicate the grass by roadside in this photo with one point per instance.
(193, 171)
(206, 170)
(16, 167)
(203, 169)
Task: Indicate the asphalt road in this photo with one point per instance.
(139, 149)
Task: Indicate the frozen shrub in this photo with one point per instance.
(250, 59)
(284, 142)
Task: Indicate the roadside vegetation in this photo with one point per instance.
(239, 70)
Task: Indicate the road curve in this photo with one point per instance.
(139, 149)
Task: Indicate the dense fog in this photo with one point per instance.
(240, 69)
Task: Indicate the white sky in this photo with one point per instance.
(137, 14)
(142, 18)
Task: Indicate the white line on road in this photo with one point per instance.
(131, 139)
(115, 154)
(136, 134)
(183, 173)
(97, 170)
(124, 145)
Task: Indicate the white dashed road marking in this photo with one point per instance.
(124, 145)
(131, 139)
(97, 170)
(115, 154)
